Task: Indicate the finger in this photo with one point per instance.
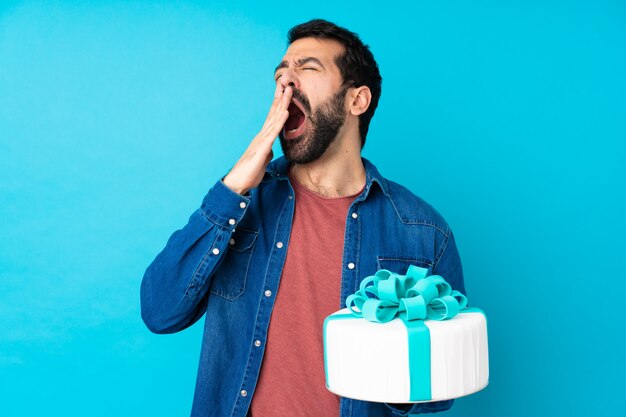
(287, 95)
(273, 127)
(277, 115)
(282, 102)
(280, 113)
(279, 108)
(278, 94)
(278, 91)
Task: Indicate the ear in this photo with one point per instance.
(360, 99)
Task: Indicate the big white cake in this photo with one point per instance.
(406, 361)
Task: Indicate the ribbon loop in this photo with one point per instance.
(415, 296)
(462, 299)
(415, 308)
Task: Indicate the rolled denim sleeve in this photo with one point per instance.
(174, 286)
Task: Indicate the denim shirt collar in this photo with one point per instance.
(278, 168)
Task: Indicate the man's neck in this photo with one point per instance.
(338, 173)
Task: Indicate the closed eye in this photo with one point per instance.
(304, 68)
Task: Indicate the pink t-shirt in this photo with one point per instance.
(292, 381)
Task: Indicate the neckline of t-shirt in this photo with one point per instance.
(305, 190)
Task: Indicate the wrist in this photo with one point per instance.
(233, 187)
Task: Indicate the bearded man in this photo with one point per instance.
(278, 245)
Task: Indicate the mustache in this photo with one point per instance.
(298, 95)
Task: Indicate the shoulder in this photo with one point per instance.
(412, 209)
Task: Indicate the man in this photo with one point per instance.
(276, 247)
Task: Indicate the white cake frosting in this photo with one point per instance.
(370, 361)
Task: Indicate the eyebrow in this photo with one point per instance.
(299, 63)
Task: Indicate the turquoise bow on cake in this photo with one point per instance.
(414, 296)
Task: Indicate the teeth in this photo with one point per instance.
(292, 130)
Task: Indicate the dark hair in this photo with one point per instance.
(357, 64)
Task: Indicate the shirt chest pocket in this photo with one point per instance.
(230, 277)
(400, 264)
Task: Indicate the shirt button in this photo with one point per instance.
(354, 215)
(232, 221)
(231, 242)
(279, 245)
(268, 293)
(290, 197)
(257, 343)
(350, 265)
(242, 204)
(243, 392)
(216, 251)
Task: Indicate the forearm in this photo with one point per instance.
(175, 285)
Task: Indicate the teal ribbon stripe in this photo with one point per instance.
(413, 297)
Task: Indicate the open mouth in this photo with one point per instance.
(296, 122)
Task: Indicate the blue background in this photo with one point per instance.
(115, 119)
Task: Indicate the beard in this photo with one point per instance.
(322, 128)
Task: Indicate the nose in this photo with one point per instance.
(289, 78)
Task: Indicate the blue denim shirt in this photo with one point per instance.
(227, 263)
